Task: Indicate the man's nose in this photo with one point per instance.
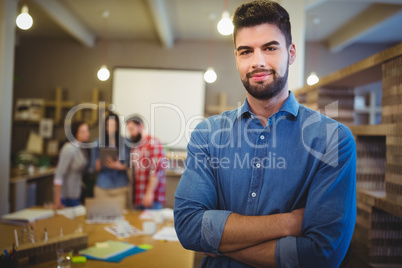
(258, 60)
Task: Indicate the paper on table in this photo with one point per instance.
(123, 229)
(167, 234)
(113, 248)
(152, 214)
(72, 212)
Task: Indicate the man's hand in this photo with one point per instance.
(114, 164)
(58, 205)
(148, 200)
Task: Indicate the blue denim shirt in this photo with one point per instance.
(110, 178)
(300, 159)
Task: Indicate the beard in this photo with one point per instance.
(267, 91)
(137, 138)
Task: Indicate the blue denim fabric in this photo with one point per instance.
(68, 202)
(301, 158)
(155, 205)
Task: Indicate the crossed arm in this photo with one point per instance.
(252, 239)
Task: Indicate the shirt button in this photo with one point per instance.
(262, 137)
(253, 194)
(258, 165)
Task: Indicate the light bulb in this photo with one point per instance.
(225, 25)
(103, 73)
(210, 75)
(312, 79)
(24, 20)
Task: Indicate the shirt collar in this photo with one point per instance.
(290, 106)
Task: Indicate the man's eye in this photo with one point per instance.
(270, 48)
(245, 52)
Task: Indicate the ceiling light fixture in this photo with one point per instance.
(24, 20)
(313, 78)
(225, 25)
(210, 75)
(103, 73)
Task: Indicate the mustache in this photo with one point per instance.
(256, 71)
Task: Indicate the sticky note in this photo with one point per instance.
(79, 259)
(145, 246)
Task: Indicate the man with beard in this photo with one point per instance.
(148, 162)
(272, 183)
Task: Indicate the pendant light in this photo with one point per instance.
(225, 25)
(24, 20)
(210, 75)
(103, 73)
(313, 78)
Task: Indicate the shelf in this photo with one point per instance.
(367, 70)
(35, 175)
(378, 199)
(376, 130)
(378, 110)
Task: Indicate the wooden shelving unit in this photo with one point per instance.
(379, 152)
(377, 130)
(377, 199)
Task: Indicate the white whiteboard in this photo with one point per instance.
(171, 102)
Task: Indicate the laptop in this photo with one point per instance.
(104, 210)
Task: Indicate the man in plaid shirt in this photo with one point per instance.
(148, 162)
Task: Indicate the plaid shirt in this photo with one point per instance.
(146, 160)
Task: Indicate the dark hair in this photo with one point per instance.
(117, 133)
(75, 125)
(136, 119)
(259, 12)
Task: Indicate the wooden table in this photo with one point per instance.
(163, 254)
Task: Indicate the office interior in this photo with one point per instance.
(70, 40)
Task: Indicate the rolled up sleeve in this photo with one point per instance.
(330, 212)
(286, 252)
(213, 223)
(198, 221)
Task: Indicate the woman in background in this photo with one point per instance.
(112, 179)
(73, 162)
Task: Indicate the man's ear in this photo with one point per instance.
(292, 53)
